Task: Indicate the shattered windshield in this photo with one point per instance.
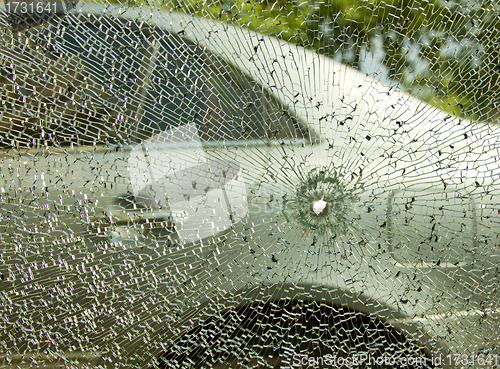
(249, 184)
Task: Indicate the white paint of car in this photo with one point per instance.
(438, 153)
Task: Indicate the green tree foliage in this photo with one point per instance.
(445, 52)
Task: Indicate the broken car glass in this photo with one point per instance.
(249, 185)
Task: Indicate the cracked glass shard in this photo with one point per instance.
(249, 184)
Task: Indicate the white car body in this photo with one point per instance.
(409, 150)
